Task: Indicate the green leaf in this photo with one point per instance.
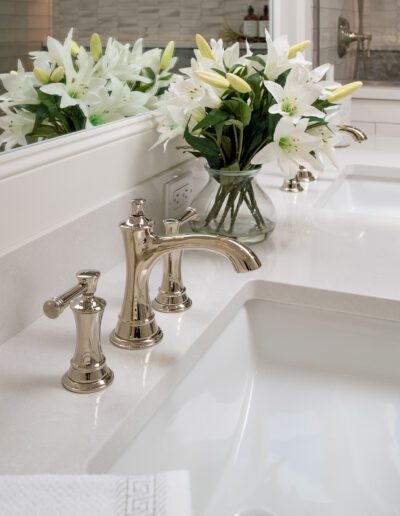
(206, 146)
(226, 144)
(257, 59)
(32, 108)
(239, 108)
(236, 123)
(213, 118)
(78, 118)
(161, 91)
(47, 100)
(218, 71)
(148, 72)
(45, 131)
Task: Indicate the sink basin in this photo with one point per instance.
(292, 411)
(366, 190)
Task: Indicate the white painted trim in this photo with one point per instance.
(45, 186)
(294, 18)
(27, 158)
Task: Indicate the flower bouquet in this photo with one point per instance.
(71, 88)
(239, 112)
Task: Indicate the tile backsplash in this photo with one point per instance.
(156, 20)
(24, 25)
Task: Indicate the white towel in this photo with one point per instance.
(164, 494)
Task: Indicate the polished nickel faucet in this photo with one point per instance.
(137, 327)
(88, 371)
(358, 135)
(172, 296)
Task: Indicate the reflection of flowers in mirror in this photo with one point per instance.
(70, 88)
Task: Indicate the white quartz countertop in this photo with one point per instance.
(45, 429)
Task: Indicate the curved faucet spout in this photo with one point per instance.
(358, 135)
(137, 327)
(242, 258)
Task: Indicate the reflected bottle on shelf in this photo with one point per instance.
(263, 22)
(250, 24)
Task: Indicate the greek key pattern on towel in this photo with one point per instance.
(146, 496)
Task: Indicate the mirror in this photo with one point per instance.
(27, 23)
(361, 38)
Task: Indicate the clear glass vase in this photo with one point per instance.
(233, 204)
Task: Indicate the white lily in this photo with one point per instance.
(15, 127)
(296, 98)
(115, 104)
(292, 146)
(57, 54)
(117, 62)
(185, 103)
(191, 94)
(328, 133)
(81, 86)
(276, 60)
(175, 120)
(19, 86)
(223, 58)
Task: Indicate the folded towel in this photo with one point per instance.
(164, 494)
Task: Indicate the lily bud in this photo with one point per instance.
(41, 75)
(238, 83)
(299, 47)
(344, 91)
(96, 47)
(213, 79)
(58, 74)
(204, 47)
(167, 55)
(74, 48)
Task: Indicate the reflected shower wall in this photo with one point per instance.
(381, 19)
(329, 13)
(373, 51)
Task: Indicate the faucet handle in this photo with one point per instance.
(172, 295)
(172, 226)
(138, 207)
(54, 307)
(190, 214)
(88, 371)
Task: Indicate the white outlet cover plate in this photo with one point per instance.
(178, 195)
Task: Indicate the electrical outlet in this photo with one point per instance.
(178, 195)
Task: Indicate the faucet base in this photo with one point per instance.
(137, 342)
(83, 380)
(168, 302)
(292, 185)
(304, 175)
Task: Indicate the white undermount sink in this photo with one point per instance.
(292, 411)
(367, 190)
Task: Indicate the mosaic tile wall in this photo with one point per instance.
(24, 24)
(156, 20)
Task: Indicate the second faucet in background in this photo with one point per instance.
(172, 295)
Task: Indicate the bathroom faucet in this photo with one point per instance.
(358, 135)
(172, 296)
(88, 370)
(137, 327)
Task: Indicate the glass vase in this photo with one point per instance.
(233, 204)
